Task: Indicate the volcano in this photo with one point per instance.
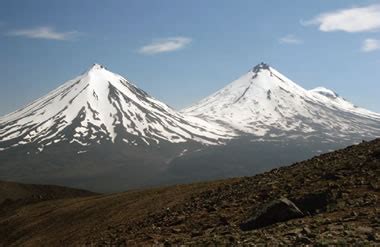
(265, 103)
(101, 132)
(98, 125)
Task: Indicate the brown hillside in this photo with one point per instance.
(336, 196)
(18, 193)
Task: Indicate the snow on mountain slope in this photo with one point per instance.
(334, 99)
(102, 106)
(264, 102)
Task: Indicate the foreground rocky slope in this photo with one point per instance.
(336, 194)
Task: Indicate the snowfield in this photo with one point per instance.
(101, 105)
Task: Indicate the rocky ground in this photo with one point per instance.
(332, 199)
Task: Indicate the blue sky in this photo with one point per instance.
(182, 51)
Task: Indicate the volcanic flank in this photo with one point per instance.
(96, 132)
(96, 107)
(265, 103)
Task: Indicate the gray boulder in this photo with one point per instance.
(275, 211)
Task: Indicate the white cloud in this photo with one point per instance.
(43, 33)
(356, 19)
(165, 45)
(290, 39)
(370, 45)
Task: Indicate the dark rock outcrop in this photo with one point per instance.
(274, 212)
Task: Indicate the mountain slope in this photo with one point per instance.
(265, 103)
(278, 122)
(100, 106)
(98, 132)
(338, 193)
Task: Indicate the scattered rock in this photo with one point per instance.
(365, 229)
(176, 230)
(376, 154)
(338, 194)
(303, 240)
(275, 211)
(306, 230)
(195, 233)
(313, 203)
(375, 185)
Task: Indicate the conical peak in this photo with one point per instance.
(259, 67)
(99, 75)
(99, 71)
(96, 66)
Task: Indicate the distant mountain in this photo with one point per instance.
(98, 125)
(266, 104)
(277, 121)
(100, 132)
(100, 106)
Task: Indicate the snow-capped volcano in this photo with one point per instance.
(263, 102)
(101, 106)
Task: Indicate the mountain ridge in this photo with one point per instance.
(264, 97)
(102, 103)
(98, 132)
(102, 133)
